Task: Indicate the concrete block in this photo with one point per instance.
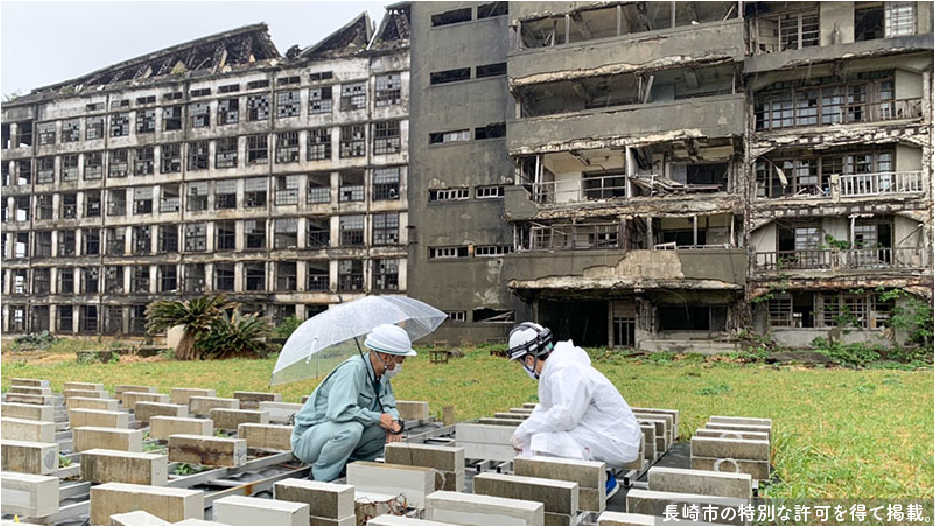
(660, 432)
(170, 504)
(510, 416)
(649, 440)
(95, 418)
(326, 500)
(610, 518)
(29, 382)
(673, 412)
(98, 404)
(41, 413)
(231, 418)
(137, 518)
(143, 411)
(588, 475)
(266, 436)
(210, 451)
(251, 400)
(412, 482)
(182, 395)
(202, 405)
(485, 441)
(593, 500)
(27, 430)
(396, 520)
(449, 480)
(743, 420)
(161, 427)
(280, 412)
(733, 485)
(757, 469)
(19, 398)
(521, 410)
(559, 519)
(197, 522)
(367, 505)
(654, 503)
(730, 448)
(487, 451)
(84, 385)
(637, 464)
(321, 521)
(84, 438)
(104, 465)
(499, 422)
(739, 435)
(129, 399)
(84, 393)
(41, 391)
(120, 389)
(251, 511)
(558, 496)
(665, 432)
(442, 458)
(36, 458)
(412, 410)
(530, 405)
(28, 495)
(468, 509)
(743, 428)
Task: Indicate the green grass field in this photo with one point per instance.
(837, 433)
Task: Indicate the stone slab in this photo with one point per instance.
(36, 458)
(231, 418)
(280, 412)
(699, 482)
(28, 495)
(558, 496)
(98, 404)
(743, 420)
(84, 438)
(592, 500)
(129, 399)
(666, 431)
(27, 430)
(721, 433)
(649, 440)
(499, 422)
(637, 463)
(659, 410)
(321, 521)
(97, 418)
(120, 389)
(252, 511)
(137, 518)
(396, 520)
(19, 398)
(412, 482)
(325, 500)
(660, 433)
(442, 458)
(730, 448)
(588, 475)
(412, 410)
(251, 400)
(30, 382)
(41, 413)
(757, 469)
(143, 411)
(41, 391)
(161, 427)
(510, 416)
(718, 426)
(202, 405)
(101, 466)
(182, 395)
(210, 451)
(84, 385)
(68, 394)
(468, 509)
(266, 436)
(654, 503)
(170, 504)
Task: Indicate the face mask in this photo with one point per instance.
(531, 372)
(394, 371)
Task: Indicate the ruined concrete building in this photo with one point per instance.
(631, 174)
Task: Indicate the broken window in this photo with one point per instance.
(93, 163)
(353, 96)
(44, 206)
(41, 281)
(386, 137)
(385, 274)
(317, 275)
(21, 245)
(144, 161)
(351, 186)
(224, 276)
(122, 103)
(286, 81)
(256, 84)
(87, 319)
(288, 104)
(287, 190)
(449, 194)
(225, 235)
(453, 16)
(319, 100)
(18, 315)
(255, 192)
(492, 9)
(868, 21)
(198, 155)
(229, 88)
(69, 168)
(45, 170)
(386, 229)
(320, 75)
(65, 318)
(142, 200)
(200, 114)
(229, 111)
(351, 230)
(194, 277)
(69, 206)
(350, 274)
(492, 250)
(21, 210)
(492, 316)
(119, 163)
(201, 92)
(287, 147)
(23, 172)
(449, 75)
(145, 121)
(120, 124)
(139, 280)
(113, 319)
(142, 239)
(71, 130)
(169, 199)
(168, 278)
(786, 31)
(385, 184)
(92, 241)
(258, 107)
(196, 237)
(448, 252)
(171, 158)
(117, 202)
(178, 95)
(491, 131)
(900, 19)
(450, 136)
(172, 118)
(90, 280)
(255, 276)
(257, 149)
(225, 195)
(491, 70)
(196, 197)
(458, 316)
(318, 232)
(94, 128)
(92, 203)
(24, 134)
(388, 89)
(286, 233)
(254, 234)
(116, 239)
(319, 189)
(353, 140)
(227, 148)
(46, 131)
(319, 144)
(489, 192)
(286, 276)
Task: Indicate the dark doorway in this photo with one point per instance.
(686, 317)
(585, 322)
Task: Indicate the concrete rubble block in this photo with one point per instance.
(252, 511)
(396, 520)
(499, 422)
(41, 391)
(637, 463)
(510, 416)
(646, 502)
(28, 495)
(483, 441)
(41, 413)
(588, 475)
(442, 458)
(742, 428)
(129, 399)
(101, 466)
(469, 509)
(757, 469)
(27, 430)
(667, 422)
(593, 500)
(559, 519)
(368, 505)
(324, 499)
(743, 420)
(161, 427)
(182, 395)
(143, 411)
(266, 436)
(29, 382)
(558, 496)
(84, 386)
(137, 518)
(649, 440)
(84, 438)
(202, 405)
(210, 451)
(734, 435)
(732, 485)
(84, 393)
(169, 504)
(231, 418)
(658, 410)
(412, 410)
(730, 448)
(660, 426)
(36, 458)
(412, 482)
(251, 400)
(610, 518)
(20, 398)
(99, 404)
(96, 418)
(280, 412)
(671, 430)
(120, 389)
(449, 480)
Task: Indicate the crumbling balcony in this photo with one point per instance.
(834, 259)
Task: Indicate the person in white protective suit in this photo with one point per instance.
(580, 413)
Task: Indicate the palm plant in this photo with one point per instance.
(196, 316)
(234, 335)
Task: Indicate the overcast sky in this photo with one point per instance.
(42, 43)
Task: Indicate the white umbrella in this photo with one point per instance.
(331, 337)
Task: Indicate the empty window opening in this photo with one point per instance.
(229, 111)
(448, 252)
(171, 158)
(93, 166)
(453, 16)
(385, 184)
(225, 235)
(319, 144)
(257, 149)
(286, 233)
(491, 70)
(254, 234)
(227, 149)
(198, 155)
(286, 276)
(200, 114)
(386, 274)
(224, 276)
(142, 240)
(491, 131)
(144, 161)
(255, 276)
(350, 275)
(318, 232)
(319, 189)
(386, 137)
(145, 121)
(492, 9)
(351, 230)
(169, 199)
(172, 118)
(317, 275)
(255, 192)
(449, 76)
(225, 195)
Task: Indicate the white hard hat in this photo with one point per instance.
(390, 339)
(527, 338)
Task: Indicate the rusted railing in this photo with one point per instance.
(881, 183)
(830, 258)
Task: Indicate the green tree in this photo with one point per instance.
(197, 316)
(234, 335)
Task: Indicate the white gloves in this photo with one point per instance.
(520, 442)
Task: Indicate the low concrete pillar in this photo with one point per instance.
(280, 412)
(210, 451)
(590, 477)
(101, 466)
(699, 482)
(412, 410)
(129, 399)
(202, 405)
(231, 418)
(27, 430)
(485, 441)
(100, 404)
(29, 382)
(559, 497)
(84, 438)
(137, 518)
(251, 400)
(144, 411)
(325, 500)
(266, 436)
(120, 389)
(162, 427)
(448, 462)
(95, 418)
(41, 413)
(87, 386)
(36, 458)
(169, 504)
(182, 395)
(41, 391)
(647, 502)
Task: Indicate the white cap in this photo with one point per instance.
(390, 339)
